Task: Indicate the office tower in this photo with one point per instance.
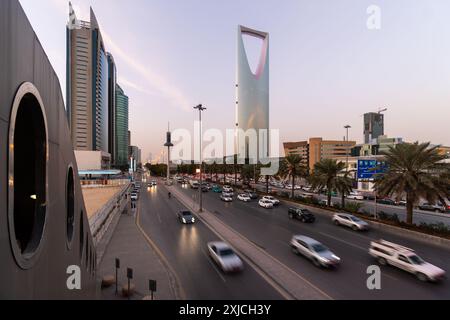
(373, 126)
(121, 127)
(252, 104)
(320, 149)
(112, 126)
(87, 85)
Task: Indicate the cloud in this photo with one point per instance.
(154, 80)
(131, 85)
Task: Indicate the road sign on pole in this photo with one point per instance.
(152, 286)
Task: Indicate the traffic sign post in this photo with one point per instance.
(152, 287)
(117, 268)
(129, 276)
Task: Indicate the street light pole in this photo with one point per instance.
(200, 108)
(347, 127)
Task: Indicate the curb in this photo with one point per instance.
(173, 278)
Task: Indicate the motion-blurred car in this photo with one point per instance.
(217, 189)
(355, 196)
(252, 194)
(437, 207)
(244, 197)
(186, 217)
(386, 201)
(134, 196)
(304, 215)
(320, 255)
(224, 256)
(271, 199)
(265, 204)
(226, 197)
(348, 220)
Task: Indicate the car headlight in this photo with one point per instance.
(184, 220)
(193, 219)
(336, 257)
(324, 260)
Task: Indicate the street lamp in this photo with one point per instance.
(347, 127)
(200, 108)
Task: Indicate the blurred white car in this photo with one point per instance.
(348, 220)
(225, 257)
(244, 197)
(320, 255)
(265, 204)
(272, 200)
(355, 196)
(388, 253)
(226, 197)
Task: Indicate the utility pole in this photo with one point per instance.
(168, 144)
(200, 108)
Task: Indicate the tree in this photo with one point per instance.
(330, 175)
(417, 171)
(344, 185)
(292, 167)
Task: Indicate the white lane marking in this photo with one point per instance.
(343, 241)
(214, 266)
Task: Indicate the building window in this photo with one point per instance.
(27, 170)
(70, 205)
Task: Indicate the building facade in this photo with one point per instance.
(87, 86)
(320, 149)
(252, 103)
(112, 83)
(373, 126)
(300, 149)
(121, 128)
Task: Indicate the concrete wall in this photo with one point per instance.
(92, 160)
(22, 59)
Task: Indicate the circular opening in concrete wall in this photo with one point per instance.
(70, 205)
(27, 175)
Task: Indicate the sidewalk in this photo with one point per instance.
(130, 246)
(285, 280)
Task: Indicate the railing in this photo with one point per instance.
(101, 220)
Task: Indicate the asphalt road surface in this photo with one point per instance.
(272, 231)
(185, 248)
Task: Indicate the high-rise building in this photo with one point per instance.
(87, 85)
(121, 128)
(373, 126)
(112, 126)
(252, 103)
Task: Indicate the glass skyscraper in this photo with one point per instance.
(121, 128)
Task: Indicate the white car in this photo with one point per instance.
(265, 204)
(228, 189)
(225, 257)
(271, 199)
(226, 197)
(348, 220)
(388, 253)
(355, 196)
(134, 196)
(244, 197)
(320, 255)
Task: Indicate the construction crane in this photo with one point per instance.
(379, 111)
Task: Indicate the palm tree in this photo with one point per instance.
(330, 175)
(344, 185)
(293, 168)
(416, 170)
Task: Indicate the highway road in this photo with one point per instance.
(184, 247)
(419, 217)
(272, 230)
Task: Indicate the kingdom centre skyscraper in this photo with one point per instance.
(252, 103)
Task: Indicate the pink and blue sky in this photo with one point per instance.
(327, 68)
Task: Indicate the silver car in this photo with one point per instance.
(225, 257)
(348, 220)
(320, 255)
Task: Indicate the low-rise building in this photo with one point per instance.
(92, 160)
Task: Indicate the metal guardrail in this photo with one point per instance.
(99, 222)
